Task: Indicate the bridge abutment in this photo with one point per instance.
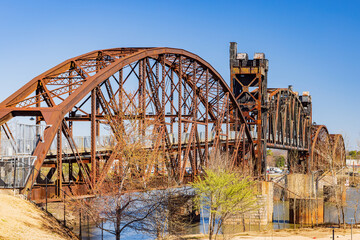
(307, 194)
(262, 214)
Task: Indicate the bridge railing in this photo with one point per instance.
(19, 146)
(107, 142)
(15, 170)
(83, 143)
(16, 161)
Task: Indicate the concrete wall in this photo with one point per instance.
(263, 213)
(306, 202)
(306, 211)
(302, 185)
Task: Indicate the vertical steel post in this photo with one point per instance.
(195, 109)
(59, 163)
(227, 115)
(33, 172)
(172, 99)
(141, 68)
(14, 175)
(218, 122)
(120, 89)
(179, 116)
(160, 113)
(70, 91)
(207, 118)
(143, 97)
(46, 193)
(163, 104)
(37, 118)
(93, 136)
(259, 124)
(64, 210)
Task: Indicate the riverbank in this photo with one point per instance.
(286, 234)
(20, 219)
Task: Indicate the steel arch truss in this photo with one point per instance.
(196, 110)
(321, 149)
(338, 151)
(288, 121)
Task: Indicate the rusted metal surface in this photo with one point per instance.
(188, 94)
(321, 149)
(338, 151)
(280, 118)
(248, 79)
(197, 111)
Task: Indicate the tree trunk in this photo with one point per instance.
(343, 215)
(339, 214)
(210, 228)
(118, 222)
(211, 225)
(243, 222)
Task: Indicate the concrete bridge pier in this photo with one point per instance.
(261, 215)
(307, 211)
(306, 205)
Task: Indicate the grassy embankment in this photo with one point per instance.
(20, 219)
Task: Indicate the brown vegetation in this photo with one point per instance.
(20, 219)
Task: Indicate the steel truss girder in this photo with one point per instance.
(288, 121)
(203, 97)
(327, 150)
(320, 157)
(338, 151)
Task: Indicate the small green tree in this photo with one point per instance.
(280, 161)
(224, 193)
(353, 154)
(269, 152)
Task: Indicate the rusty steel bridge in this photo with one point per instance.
(197, 111)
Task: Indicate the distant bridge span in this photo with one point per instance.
(184, 93)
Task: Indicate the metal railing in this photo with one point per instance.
(15, 170)
(17, 161)
(107, 142)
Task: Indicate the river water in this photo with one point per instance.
(280, 221)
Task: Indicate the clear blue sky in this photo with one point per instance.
(312, 45)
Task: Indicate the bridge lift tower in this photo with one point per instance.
(248, 82)
(277, 117)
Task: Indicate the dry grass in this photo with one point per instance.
(20, 219)
(286, 234)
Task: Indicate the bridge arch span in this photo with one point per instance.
(338, 151)
(321, 149)
(181, 89)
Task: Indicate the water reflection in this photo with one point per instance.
(280, 221)
(351, 210)
(91, 232)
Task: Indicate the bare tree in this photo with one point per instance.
(129, 196)
(123, 196)
(174, 214)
